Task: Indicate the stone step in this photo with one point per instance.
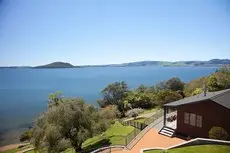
(166, 134)
(166, 131)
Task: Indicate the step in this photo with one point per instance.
(166, 134)
(168, 129)
(169, 132)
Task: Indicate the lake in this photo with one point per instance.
(24, 92)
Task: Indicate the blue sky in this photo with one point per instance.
(34, 32)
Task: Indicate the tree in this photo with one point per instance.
(69, 123)
(220, 79)
(213, 84)
(197, 91)
(142, 89)
(218, 133)
(165, 96)
(224, 69)
(174, 84)
(139, 100)
(160, 86)
(114, 94)
(193, 85)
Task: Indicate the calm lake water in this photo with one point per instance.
(24, 92)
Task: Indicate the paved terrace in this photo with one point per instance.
(153, 139)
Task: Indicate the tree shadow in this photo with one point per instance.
(102, 143)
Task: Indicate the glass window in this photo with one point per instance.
(199, 121)
(192, 119)
(186, 118)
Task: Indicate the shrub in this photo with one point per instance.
(26, 136)
(109, 112)
(218, 133)
(134, 112)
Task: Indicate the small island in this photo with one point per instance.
(56, 65)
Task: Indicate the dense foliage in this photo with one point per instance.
(219, 80)
(114, 94)
(143, 97)
(165, 96)
(67, 124)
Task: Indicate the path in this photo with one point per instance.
(153, 139)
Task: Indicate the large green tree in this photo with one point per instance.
(193, 85)
(174, 84)
(140, 99)
(165, 96)
(68, 124)
(114, 94)
(219, 80)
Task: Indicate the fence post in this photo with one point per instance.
(135, 132)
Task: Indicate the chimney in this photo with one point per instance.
(205, 88)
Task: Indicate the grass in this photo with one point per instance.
(140, 120)
(17, 149)
(196, 149)
(115, 135)
(146, 111)
(31, 151)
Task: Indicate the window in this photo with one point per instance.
(186, 118)
(199, 121)
(192, 119)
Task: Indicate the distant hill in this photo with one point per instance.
(56, 65)
(212, 62)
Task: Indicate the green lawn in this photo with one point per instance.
(141, 119)
(115, 135)
(196, 149)
(146, 111)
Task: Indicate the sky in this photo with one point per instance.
(91, 32)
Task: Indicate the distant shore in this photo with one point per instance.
(212, 62)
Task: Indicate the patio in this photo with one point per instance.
(152, 139)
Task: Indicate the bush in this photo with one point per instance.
(218, 133)
(26, 136)
(109, 112)
(134, 112)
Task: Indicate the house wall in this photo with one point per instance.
(212, 114)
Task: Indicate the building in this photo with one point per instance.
(196, 115)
